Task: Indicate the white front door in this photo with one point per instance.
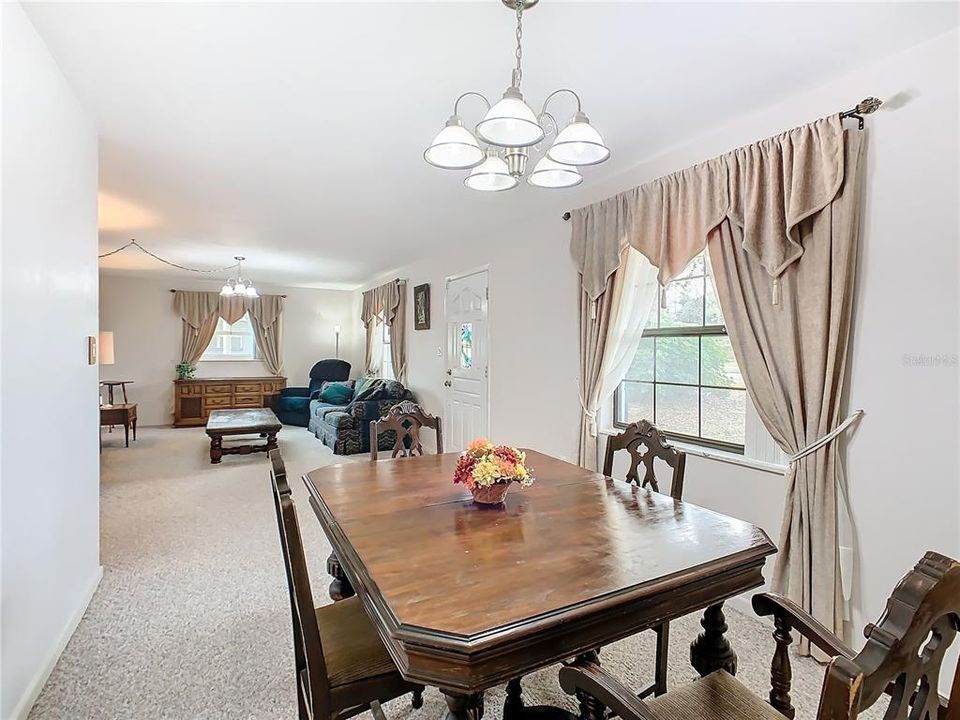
(468, 351)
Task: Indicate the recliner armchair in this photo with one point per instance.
(293, 406)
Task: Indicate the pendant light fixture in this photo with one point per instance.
(498, 153)
(239, 287)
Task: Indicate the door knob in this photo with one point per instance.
(447, 383)
(449, 371)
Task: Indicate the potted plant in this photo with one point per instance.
(488, 471)
(186, 370)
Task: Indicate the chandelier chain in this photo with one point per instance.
(134, 243)
(519, 71)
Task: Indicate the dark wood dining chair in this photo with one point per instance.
(342, 666)
(405, 419)
(901, 658)
(645, 443)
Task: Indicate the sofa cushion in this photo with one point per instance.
(293, 404)
(336, 393)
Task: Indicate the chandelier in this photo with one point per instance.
(509, 130)
(239, 286)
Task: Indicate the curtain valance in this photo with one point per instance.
(381, 302)
(195, 307)
(766, 188)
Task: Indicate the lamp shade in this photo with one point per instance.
(492, 175)
(106, 347)
(227, 289)
(454, 148)
(579, 144)
(550, 174)
(510, 123)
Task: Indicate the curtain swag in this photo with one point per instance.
(382, 302)
(195, 307)
(766, 188)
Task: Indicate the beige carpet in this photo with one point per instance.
(191, 620)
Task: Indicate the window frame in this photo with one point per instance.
(697, 331)
(227, 358)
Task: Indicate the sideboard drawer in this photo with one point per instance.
(217, 389)
(247, 389)
(191, 390)
(217, 401)
(247, 401)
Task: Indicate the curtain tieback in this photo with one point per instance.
(829, 437)
(590, 415)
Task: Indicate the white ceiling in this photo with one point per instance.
(293, 133)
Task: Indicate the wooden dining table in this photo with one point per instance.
(467, 597)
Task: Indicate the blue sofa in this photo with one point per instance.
(293, 405)
(345, 429)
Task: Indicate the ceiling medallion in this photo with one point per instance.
(497, 151)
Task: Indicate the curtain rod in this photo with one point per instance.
(866, 106)
(172, 290)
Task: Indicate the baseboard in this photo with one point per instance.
(30, 695)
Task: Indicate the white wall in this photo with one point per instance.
(903, 459)
(147, 337)
(49, 466)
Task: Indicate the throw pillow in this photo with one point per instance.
(336, 393)
(371, 390)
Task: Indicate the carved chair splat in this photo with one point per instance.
(645, 443)
(405, 419)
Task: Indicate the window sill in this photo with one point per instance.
(721, 456)
(230, 360)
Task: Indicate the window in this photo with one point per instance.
(386, 365)
(466, 345)
(684, 377)
(232, 342)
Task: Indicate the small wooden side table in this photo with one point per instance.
(125, 414)
(111, 384)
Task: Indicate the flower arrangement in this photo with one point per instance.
(487, 470)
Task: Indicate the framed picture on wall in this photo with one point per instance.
(421, 307)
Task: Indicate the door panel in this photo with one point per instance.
(467, 360)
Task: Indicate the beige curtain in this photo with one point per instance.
(594, 323)
(781, 215)
(265, 312)
(386, 303)
(398, 334)
(793, 357)
(196, 339)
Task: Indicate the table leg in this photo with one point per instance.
(126, 434)
(513, 705)
(216, 449)
(464, 707)
(711, 651)
(271, 441)
(134, 429)
(340, 588)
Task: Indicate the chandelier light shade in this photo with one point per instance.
(238, 286)
(492, 175)
(454, 148)
(498, 150)
(510, 123)
(551, 174)
(579, 144)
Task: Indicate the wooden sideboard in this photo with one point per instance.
(194, 399)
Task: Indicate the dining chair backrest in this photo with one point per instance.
(645, 443)
(313, 688)
(405, 419)
(904, 651)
